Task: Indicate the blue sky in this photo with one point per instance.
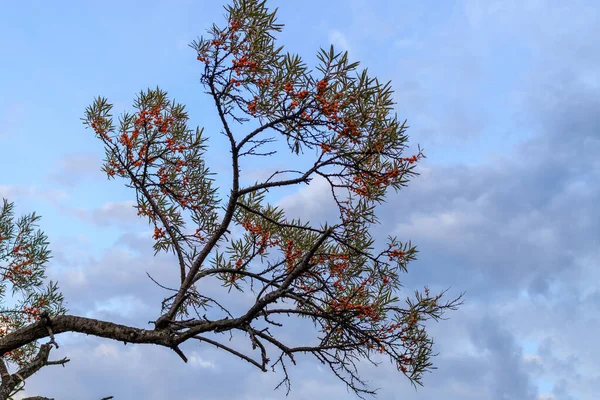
(502, 95)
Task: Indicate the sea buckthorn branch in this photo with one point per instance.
(304, 298)
(178, 300)
(396, 253)
(10, 382)
(267, 70)
(202, 209)
(391, 252)
(265, 235)
(304, 178)
(274, 225)
(271, 220)
(416, 357)
(379, 131)
(321, 353)
(23, 253)
(329, 274)
(163, 321)
(298, 270)
(167, 172)
(128, 163)
(330, 108)
(252, 56)
(292, 265)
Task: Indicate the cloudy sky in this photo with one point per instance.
(502, 95)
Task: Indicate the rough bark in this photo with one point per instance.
(70, 323)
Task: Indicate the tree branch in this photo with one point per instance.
(70, 323)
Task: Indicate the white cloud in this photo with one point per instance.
(15, 192)
(107, 349)
(339, 40)
(534, 358)
(196, 360)
(124, 306)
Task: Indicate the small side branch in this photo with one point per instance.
(232, 351)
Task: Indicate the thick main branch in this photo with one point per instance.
(70, 323)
